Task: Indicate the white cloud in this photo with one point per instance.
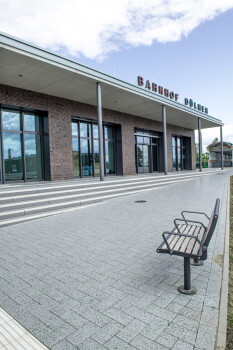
(94, 28)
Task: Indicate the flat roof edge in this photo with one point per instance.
(7, 41)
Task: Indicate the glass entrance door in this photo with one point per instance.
(143, 159)
(179, 159)
(21, 146)
(85, 142)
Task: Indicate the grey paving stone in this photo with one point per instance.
(83, 333)
(131, 330)
(74, 319)
(195, 305)
(108, 264)
(64, 345)
(117, 344)
(212, 300)
(94, 316)
(90, 344)
(107, 332)
(155, 328)
(165, 299)
(118, 316)
(186, 322)
(166, 339)
(105, 304)
(161, 312)
(145, 301)
(175, 307)
(142, 343)
(206, 337)
(181, 345)
(126, 302)
(191, 313)
(142, 315)
(181, 333)
(209, 316)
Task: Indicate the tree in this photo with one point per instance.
(205, 156)
(215, 140)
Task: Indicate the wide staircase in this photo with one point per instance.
(22, 202)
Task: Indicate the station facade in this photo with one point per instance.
(49, 132)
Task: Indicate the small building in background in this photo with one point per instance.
(215, 154)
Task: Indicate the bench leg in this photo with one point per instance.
(186, 288)
(196, 262)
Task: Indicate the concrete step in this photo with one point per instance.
(42, 200)
(25, 193)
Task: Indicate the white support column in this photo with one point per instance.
(221, 140)
(100, 125)
(200, 144)
(164, 138)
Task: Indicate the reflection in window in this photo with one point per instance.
(11, 120)
(108, 132)
(13, 163)
(74, 129)
(95, 131)
(31, 122)
(86, 157)
(33, 157)
(96, 157)
(110, 157)
(85, 129)
(75, 149)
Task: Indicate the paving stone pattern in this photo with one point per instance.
(92, 279)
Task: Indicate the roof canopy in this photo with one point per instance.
(48, 73)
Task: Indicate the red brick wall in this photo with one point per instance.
(60, 138)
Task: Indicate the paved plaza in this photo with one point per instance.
(91, 279)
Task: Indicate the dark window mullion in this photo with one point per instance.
(23, 147)
(41, 147)
(105, 170)
(79, 146)
(2, 152)
(92, 149)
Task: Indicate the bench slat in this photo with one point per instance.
(197, 245)
(181, 239)
(187, 239)
(173, 239)
(192, 242)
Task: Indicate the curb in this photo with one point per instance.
(222, 323)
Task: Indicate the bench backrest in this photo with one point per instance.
(212, 223)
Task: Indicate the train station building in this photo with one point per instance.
(60, 120)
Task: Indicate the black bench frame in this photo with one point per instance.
(204, 243)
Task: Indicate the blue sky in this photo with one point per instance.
(199, 66)
(186, 46)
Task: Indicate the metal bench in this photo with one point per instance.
(189, 239)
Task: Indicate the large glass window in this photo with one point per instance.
(33, 157)
(11, 120)
(147, 158)
(86, 157)
(85, 140)
(96, 157)
(13, 162)
(75, 149)
(109, 157)
(31, 122)
(21, 142)
(179, 153)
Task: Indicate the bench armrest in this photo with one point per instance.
(187, 221)
(178, 234)
(193, 212)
